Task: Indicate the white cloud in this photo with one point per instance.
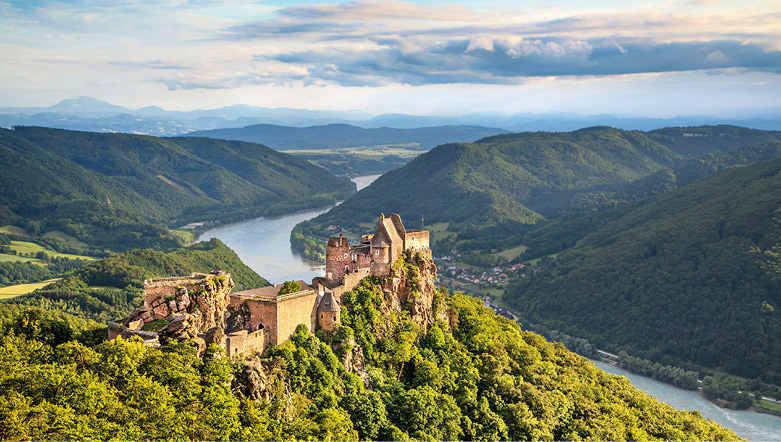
(481, 42)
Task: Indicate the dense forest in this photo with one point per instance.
(120, 191)
(475, 377)
(111, 288)
(508, 185)
(687, 277)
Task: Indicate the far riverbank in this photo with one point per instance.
(264, 243)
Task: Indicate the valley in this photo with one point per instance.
(489, 256)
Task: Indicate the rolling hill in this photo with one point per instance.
(117, 190)
(691, 276)
(503, 184)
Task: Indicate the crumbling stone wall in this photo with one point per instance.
(416, 240)
(250, 313)
(204, 294)
(243, 342)
(337, 259)
(294, 309)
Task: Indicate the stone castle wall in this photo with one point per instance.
(294, 309)
(417, 240)
(258, 311)
(350, 282)
(243, 342)
(337, 258)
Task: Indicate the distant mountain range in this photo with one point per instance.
(336, 136)
(89, 114)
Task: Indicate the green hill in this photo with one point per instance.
(112, 287)
(115, 190)
(506, 183)
(691, 276)
(481, 378)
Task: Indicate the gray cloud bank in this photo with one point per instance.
(504, 62)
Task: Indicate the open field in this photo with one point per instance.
(513, 253)
(70, 240)
(770, 404)
(13, 229)
(13, 291)
(31, 247)
(409, 150)
(438, 231)
(17, 258)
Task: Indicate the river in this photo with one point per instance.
(748, 425)
(264, 245)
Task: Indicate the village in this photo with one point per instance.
(488, 284)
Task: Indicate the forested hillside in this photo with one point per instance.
(111, 288)
(117, 191)
(691, 276)
(476, 377)
(503, 184)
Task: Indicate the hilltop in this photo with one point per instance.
(120, 191)
(382, 375)
(688, 277)
(479, 193)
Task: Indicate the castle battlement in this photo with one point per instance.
(375, 252)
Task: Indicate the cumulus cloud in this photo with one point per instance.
(507, 61)
(381, 42)
(376, 42)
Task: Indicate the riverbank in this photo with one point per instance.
(747, 424)
(264, 243)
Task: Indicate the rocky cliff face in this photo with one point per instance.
(410, 286)
(184, 308)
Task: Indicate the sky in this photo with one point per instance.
(645, 58)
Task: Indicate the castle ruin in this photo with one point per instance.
(201, 307)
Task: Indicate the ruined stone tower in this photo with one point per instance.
(328, 312)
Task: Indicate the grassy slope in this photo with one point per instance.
(692, 276)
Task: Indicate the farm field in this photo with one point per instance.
(27, 247)
(13, 291)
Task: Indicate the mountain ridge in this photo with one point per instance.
(83, 180)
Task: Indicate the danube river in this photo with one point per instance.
(264, 245)
(749, 425)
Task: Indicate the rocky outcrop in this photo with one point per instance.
(410, 286)
(351, 356)
(184, 308)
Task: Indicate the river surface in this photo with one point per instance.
(264, 245)
(747, 424)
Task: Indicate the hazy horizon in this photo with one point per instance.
(658, 60)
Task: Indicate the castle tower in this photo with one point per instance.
(328, 312)
(337, 259)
